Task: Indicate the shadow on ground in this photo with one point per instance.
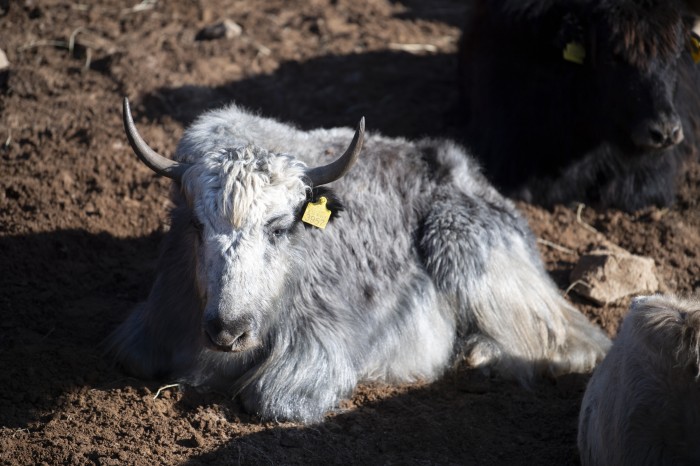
(375, 85)
(466, 418)
(61, 293)
(66, 290)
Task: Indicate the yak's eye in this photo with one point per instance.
(279, 227)
(278, 233)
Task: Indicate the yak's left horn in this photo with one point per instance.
(334, 170)
(153, 160)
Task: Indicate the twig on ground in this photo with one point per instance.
(165, 387)
(577, 282)
(144, 5)
(88, 59)
(43, 43)
(579, 210)
(556, 246)
(413, 48)
(71, 39)
(88, 50)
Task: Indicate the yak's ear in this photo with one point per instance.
(333, 203)
(572, 39)
(570, 29)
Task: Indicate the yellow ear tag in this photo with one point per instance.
(695, 48)
(574, 52)
(316, 213)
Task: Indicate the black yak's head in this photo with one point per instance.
(629, 53)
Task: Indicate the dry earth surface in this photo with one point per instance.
(81, 220)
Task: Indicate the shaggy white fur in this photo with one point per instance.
(642, 405)
(426, 263)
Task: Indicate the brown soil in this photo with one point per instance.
(81, 219)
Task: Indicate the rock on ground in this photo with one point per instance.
(608, 275)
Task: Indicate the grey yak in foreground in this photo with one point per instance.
(422, 265)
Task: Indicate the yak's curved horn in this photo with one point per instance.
(153, 160)
(334, 170)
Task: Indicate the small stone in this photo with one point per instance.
(605, 276)
(4, 70)
(4, 62)
(226, 28)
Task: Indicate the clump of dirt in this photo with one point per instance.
(81, 219)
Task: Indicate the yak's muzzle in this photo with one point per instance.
(230, 336)
(660, 133)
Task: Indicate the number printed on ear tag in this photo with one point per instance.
(317, 214)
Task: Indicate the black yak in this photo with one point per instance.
(593, 101)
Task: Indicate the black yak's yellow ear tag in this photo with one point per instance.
(316, 213)
(695, 47)
(574, 52)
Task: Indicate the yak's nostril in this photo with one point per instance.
(225, 341)
(677, 134)
(219, 341)
(656, 136)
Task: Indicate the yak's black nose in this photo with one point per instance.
(660, 133)
(230, 336)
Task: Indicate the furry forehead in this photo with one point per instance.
(646, 31)
(244, 185)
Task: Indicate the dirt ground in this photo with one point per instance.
(81, 220)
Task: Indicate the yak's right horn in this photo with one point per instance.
(153, 160)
